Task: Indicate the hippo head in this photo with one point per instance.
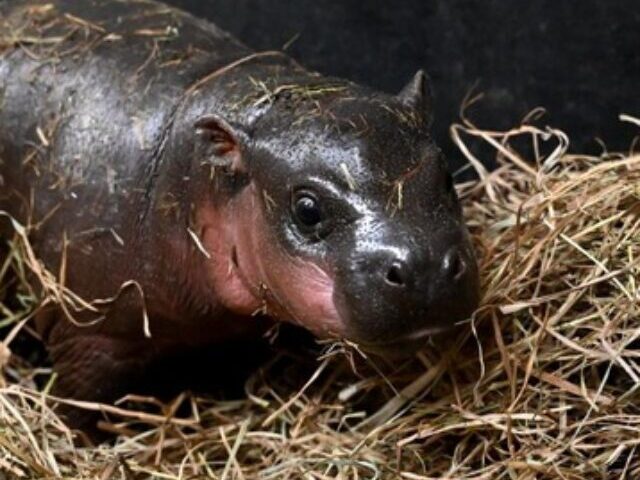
(341, 216)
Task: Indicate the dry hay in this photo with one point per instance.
(543, 384)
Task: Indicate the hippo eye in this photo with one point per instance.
(306, 209)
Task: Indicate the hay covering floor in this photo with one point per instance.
(542, 384)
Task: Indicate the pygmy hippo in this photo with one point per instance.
(186, 188)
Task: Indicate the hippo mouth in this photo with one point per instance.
(302, 293)
(405, 345)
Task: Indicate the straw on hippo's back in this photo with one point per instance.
(193, 182)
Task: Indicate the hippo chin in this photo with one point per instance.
(168, 170)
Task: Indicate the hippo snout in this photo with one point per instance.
(401, 271)
(393, 298)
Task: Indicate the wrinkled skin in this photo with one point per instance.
(168, 170)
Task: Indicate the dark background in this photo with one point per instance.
(578, 59)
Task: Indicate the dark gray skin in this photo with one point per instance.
(152, 153)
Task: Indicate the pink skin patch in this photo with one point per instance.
(249, 271)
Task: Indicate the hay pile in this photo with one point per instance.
(543, 384)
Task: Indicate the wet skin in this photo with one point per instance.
(167, 169)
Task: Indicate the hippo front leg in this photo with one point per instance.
(97, 368)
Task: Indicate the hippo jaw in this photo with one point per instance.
(250, 274)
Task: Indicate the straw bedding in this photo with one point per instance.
(541, 384)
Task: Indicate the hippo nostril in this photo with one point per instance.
(453, 264)
(395, 275)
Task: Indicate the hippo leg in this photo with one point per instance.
(96, 368)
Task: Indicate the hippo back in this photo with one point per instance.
(88, 91)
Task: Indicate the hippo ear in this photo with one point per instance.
(417, 94)
(220, 143)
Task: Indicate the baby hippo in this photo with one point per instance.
(188, 188)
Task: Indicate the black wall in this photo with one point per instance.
(580, 59)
